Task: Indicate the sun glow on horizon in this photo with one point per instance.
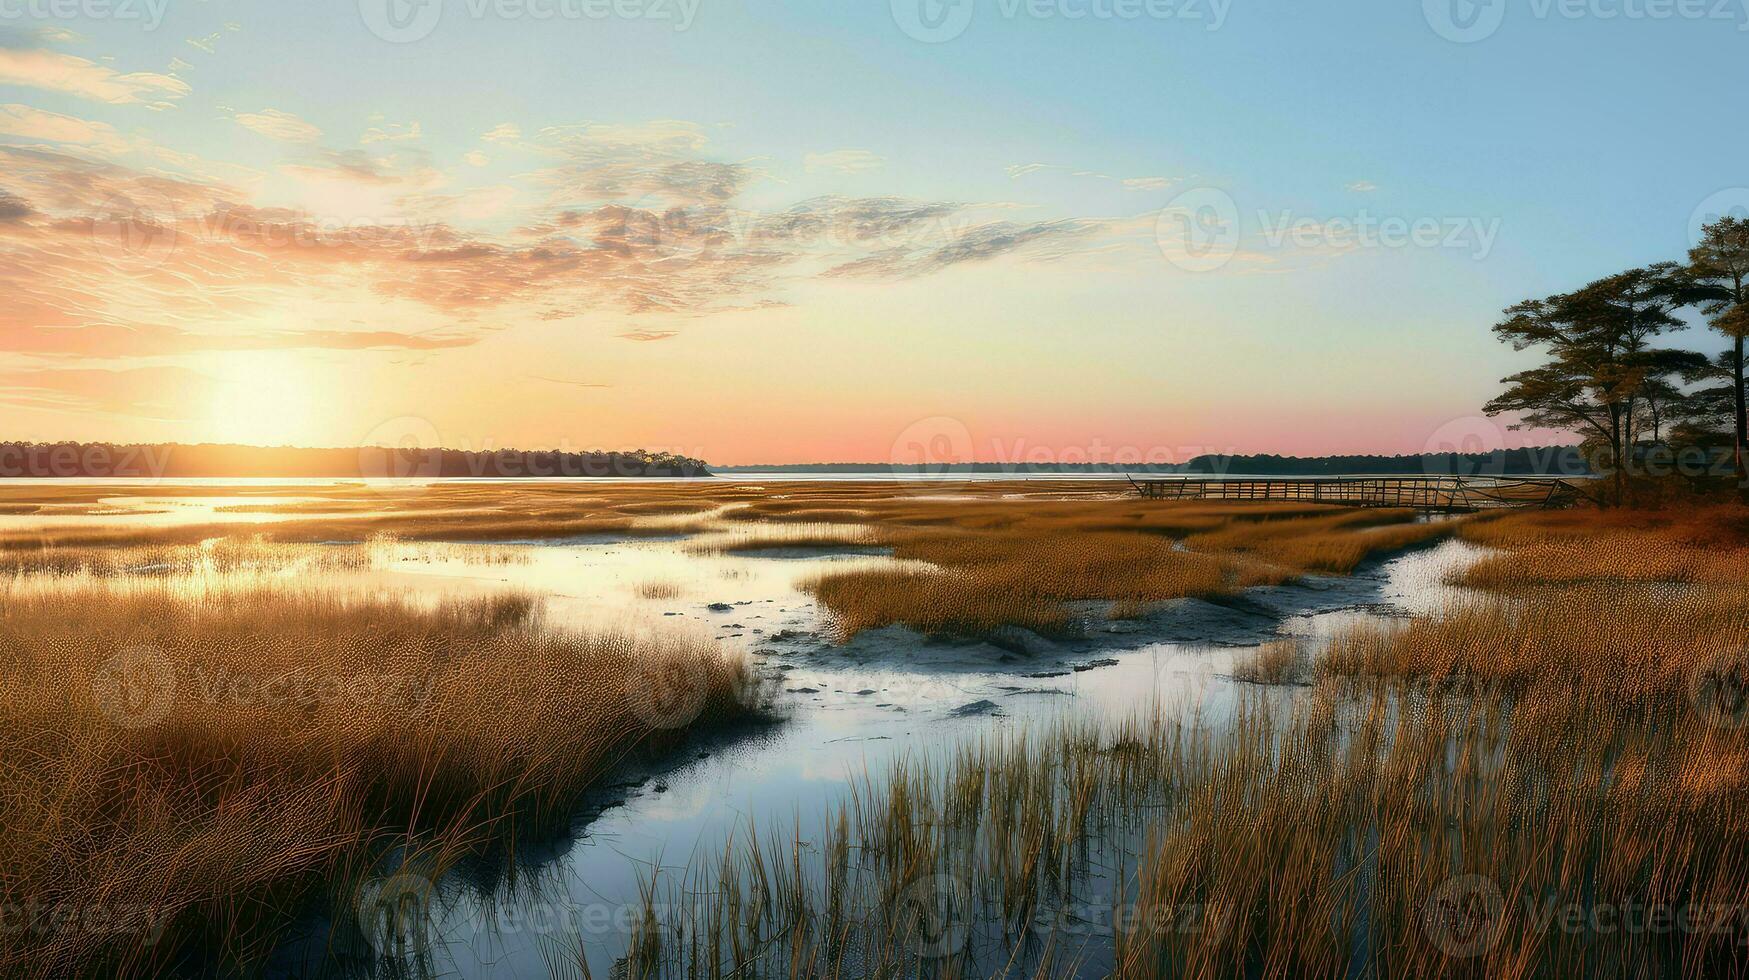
(265, 398)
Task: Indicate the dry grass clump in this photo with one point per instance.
(935, 602)
(1025, 563)
(461, 526)
(786, 511)
(218, 559)
(659, 589)
(812, 535)
(1384, 834)
(194, 767)
(1332, 544)
(1275, 662)
(1703, 545)
(216, 556)
(1641, 642)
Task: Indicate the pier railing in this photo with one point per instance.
(1433, 493)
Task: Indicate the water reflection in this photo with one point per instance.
(583, 893)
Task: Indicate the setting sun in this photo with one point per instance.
(266, 398)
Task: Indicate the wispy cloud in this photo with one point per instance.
(103, 261)
(32, 123)
(1042, 240)
(392, 133)
(842, 162)
(1151, 183)
(13, 208)
(278, 125)
(57, 71)
(565, 381)
(154, 392)
(115, 340)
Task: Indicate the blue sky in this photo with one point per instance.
(1035, 305)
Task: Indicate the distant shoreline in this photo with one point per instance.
(160, 461)
(1529, 461)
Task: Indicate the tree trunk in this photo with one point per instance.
(1742, 422)
(1616, 463)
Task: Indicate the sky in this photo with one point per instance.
(908, 231)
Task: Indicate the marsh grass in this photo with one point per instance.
(1382, 830)
(799, 534)
(1571, 735)
(1275, 662)
(1495, 790)
(208, 763)
(235, 558)
(1029, 562)
(658, 589)
(1703, 546)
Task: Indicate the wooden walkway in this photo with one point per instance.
(1446, 494)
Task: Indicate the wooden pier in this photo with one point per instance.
(1444, 494)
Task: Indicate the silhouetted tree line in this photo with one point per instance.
(969, 468)
(164, 460)
(1643, 411)
(1530, 461)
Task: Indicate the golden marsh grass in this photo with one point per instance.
(1547, 778)
(200, 765)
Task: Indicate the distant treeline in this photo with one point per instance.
(69, 460)
(1529, 461)
(1113, 468)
